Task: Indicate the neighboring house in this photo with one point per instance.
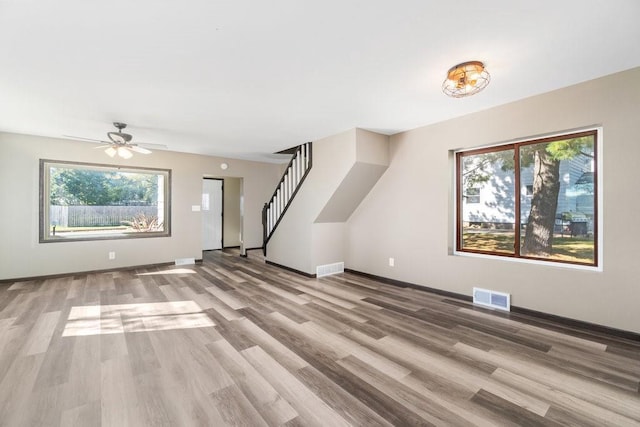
(490, 205)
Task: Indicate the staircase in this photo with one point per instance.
(293, 177)
(314, 232)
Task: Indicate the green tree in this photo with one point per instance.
(478, 169)
(82, 187)
(71, 186)
(546, 158)
(538, 238)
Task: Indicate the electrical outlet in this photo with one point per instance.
(112, 255)
(392, 262)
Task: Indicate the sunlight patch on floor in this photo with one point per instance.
(170, 271)
(120, 318)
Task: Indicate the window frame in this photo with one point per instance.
(45, 197)
(458, 196)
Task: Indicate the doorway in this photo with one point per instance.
(212, 213)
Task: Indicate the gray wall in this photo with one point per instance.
(408, 214)
(231, 226)
(292, 242)
(22, 256)
(345, 167)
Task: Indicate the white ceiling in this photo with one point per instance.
(246, 78)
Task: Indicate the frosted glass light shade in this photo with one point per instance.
(111, 152)
(124, 153)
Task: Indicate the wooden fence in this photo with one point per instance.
(97, 216)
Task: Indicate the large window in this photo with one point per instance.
(534, 199)
(80, 201)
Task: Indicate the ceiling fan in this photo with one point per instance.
(120, 143)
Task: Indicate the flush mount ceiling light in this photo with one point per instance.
(466, 79)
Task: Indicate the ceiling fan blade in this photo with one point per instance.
(152, 146)
(79, 138)
(137, 149)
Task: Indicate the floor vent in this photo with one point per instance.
(185, 261)
(329, 269)
(492, 299)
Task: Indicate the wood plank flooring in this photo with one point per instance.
(236, 342)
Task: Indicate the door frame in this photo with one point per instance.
(221, 210)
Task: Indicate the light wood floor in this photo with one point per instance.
(236, 342)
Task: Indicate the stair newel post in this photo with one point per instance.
(264, 228)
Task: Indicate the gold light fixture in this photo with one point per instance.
(466, 79)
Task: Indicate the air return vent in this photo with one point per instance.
(328, 269)
(492, 299)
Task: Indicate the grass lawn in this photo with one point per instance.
(573, 249)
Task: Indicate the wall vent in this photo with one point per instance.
(185, 261)
(492, 299)
(328, 269)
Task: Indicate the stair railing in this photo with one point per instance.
(293, 177)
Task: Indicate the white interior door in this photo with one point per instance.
(211, 214)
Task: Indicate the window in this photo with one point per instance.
(81, 201)
(539, 199)
(528, 190)
(472, 195)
